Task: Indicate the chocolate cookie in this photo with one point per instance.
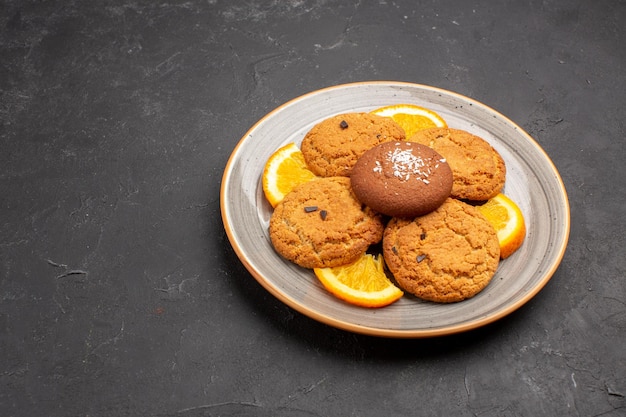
(322, 224)
(478, 169)
(448, 255)
(402, 179)
(332, 147)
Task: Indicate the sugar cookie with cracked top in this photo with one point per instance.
(446, 256)
(332, 147)
(402, 179)
(478, 169)
(322, 224)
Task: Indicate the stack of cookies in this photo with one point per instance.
(413, 194)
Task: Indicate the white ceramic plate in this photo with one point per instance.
(532, 181)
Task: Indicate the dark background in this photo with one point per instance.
(119, 291)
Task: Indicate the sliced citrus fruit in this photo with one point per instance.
(363, 282)
(284, 169)
(507, 219)
(411, 118)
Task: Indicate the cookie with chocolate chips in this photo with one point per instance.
(332, 147)
(448, 255)
(321, 224)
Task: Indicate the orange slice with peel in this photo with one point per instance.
(508, 220)
(284, 170)
(362, 283)
(411, 118)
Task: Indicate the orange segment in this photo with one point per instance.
(411, 118)
(284, 170)
(507, 219)
(362, 282)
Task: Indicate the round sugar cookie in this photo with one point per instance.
(448, 255)
(322, 224)
(478, 169)
(332, 147)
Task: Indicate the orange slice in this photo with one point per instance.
(507, 219)
(363, 282)
(284, 169)
(411, 118)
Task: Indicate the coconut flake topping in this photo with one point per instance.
(404, 165)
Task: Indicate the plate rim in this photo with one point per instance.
(377, 331)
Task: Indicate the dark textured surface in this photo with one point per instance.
(119, 292)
